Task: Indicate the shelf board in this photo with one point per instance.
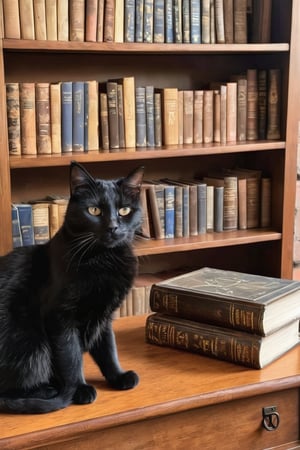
(23, 162)
(23, 45)
(208, 240)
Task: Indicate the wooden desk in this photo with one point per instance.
(182, 401)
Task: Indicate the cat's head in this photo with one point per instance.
(105, 212)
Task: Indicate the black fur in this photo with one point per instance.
(57, 299)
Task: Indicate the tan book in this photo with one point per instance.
(208, 116)
(55, 116)
(138, 300)
(26, 19)
(231, 114)
(100, 20)
(104, 122)
(223, 113)
(129, 113)
(51, 20)
(188, 116)
(39, 9)
(109, 21)
(62, 204)
(274, 104)
(228, 21)
(13, 118)
(92, 115)
(205, 21)
(252, 105)
(242, 203)
(240, 21)
(62, 20)
(170, 116)
(77, 20)
(53, 219)
(180, 117)
(91, 14)
(43, 127)
(157, 119)
(11, 19)
(27, 118)
(119, 21)
(241, 109)
(219, 18)
(217, 116)
(41, 228)
(198, 116)
(266, 202)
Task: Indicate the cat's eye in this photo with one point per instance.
(94, 211)
(124, 211)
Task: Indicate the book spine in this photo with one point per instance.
(91, 12)
(195, 18)
(104, 122)
(159, 190)
(193, 209)
(77, 20)
(210, 208)
(186, 210)
(66, 116)
(205, 21)
(228, 21)
(262, 103)
(266, 202)
(159, 21)
(241, 109)
(177, 13)
(51, 20)
(219, 15)
(242, 203)
(129, 20)
(170, 116)
(202, 207)
(121, 115)
(169, 21)
(169, 211)
(198, 117)
(78, 116)
(149, 93)
(100, 21)
(223, 114)
(129, 113)
(119, 24)
(252, 105)
(28, 119)
(203, 339)
(188, 116)
(218, 208)
(274, 104)
(212, 27)
(180, 117)
(26, 224)
(157, 119)
(240, 21)
(148, 21)
(16, 229)
(140, 104)
(26, 19)
(178, 211)
(217, 116)
(155, 216)
(109, 21)
(39, 11)
(62, 20)
(55, 117)
(11, 16)
(41, 229)
(230, 203)
(13, 118)
(231, 114)
(92, 115)
(113, 120)
(186, 29)
(43, 126)
(253, 202)
(208, 116)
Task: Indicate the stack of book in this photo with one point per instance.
(242, 318)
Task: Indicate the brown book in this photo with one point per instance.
(39, 9)
(77, 20)
(242, 203)
(109, 21)
(240, 21)
(27, 118)
(241, 109)
(51, 20)
(41, 226)
(198, 117)
(208, 116)
(221, 343)
(100, 20)
(55, 116)
(252, 303)
(188, 116)
(92, 113)
(223, 113)
(13, 118)
(62, 20)
(104, 122)
(274, 104)
(11, 19)
(145, 226)
(113, 119)
(154, 211)
(252, 105)
(262, 86)
(231, 114)
(261, 21)
(219, 18)
(43, 126)
(91, 14)
(26, 19)
(217, 116)
(205, 21)
(157, 119)
(228, 21)
(170, 116)
(266, 200)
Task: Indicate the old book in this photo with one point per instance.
(231, 113)
(39, 10)
(51, 19)
(217, 116)
(26, 19)
(26, 223)
(55, 117)
(221, 343)
(223, 113)
(198, 117)
(140, 114)
(113, 119)
(53, 219)
(129, 112)
(262, 87)
(77, 20)
(212, 26)
(148, 21)
(186, 28)
(195, 18)
(240, 21)
(188, 116)
(119, 21)
(11, 19)
(170, 116)
(43, 124)
(157, 119)
(202, 207)
(139, 21)
(241, 109)
(121, 121)
(261, 21)
(154, 209)
(252, 105)
(28, 119)
(159, 21)
(177, 21)
(228, 21)
(208, 116)
(149, 100)
(242, 203)
(205, 21)
(104, 122)
(66, 116)
(78, 116)
(129, 21)
(266, 202)
(62, 20)
(210, 208)
(13, 118)
(100, 20)
(169, 22)
(145, 225)
(91, 91)
(159, 189)
(16, 229)
(252, 303)
(138, 300)
(91, 14)
(219, 16)
(218, 208)
(109, 21)
(180, 116)
(274, 104)
(40, 219)
(178, 211)
(169, 205)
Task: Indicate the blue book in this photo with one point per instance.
(139, 20)
(86, 115)
(129, 20)
(159, 21)
(195, 25)
(140, 114)
(169, 22)
(148, 21)
(202, 188)
(16, 229)
(66, 116)
(170, 211)
(78, 116)
(150, 116)
(26, 223)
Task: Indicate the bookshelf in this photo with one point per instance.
(185, 66)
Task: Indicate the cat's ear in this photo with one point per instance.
(133, 181)
(79, 177)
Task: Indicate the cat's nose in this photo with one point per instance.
(112, 230)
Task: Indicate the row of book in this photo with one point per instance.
(242, 318)
(170, 21)
(228, 200)
(54, 118)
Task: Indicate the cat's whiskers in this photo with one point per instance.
(79, 246)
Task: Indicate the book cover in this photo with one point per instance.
(202, 207)
(140, 114)
(186, 25)
(11, 19)
(26, 223)
(169, 22)
(212, 26)
(231, 113)
(217, 116)
(252, 303)
(91, 14)
(148, 20)
(40, 219)
(198, 117)
(154, 210)
(169, 211)
(13, 118)
(178, 211)
(252, 105)
(104, 122)
(129, 112)
(77, 20)
(159, 21)
(210, 210)
(177, 20)
(208, 116)
(26, 19)
(78, 116)
(139, 21)
(205, 21)
(195, 19)
(100, 20)
(170, 116)
(218, 208)
(121, 121)
(62, 20)
(119, 24)
(43, 125)
(188, 116)
(240, 21)
(274, 104)
(109, 21)
(39, 11)
(228, 21)
(217, 342)
(262, 87)
(113, 115)
(219, 16)
(92, 114)
(129, 20)
(149, 94)
(55, 117)
(66, 116)
(157, 119)
(241, 109)
(51, 20)
(28, 119)
(16, 229)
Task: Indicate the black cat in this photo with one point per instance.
(57, 299)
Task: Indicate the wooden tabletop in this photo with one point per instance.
(170, 381)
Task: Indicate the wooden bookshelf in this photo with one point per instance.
(185, 66)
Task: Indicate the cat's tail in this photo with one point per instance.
(33, 405)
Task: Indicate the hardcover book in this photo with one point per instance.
(13, 118)
(253, 303)
(26, 223)
(11, 25)
(27, 118)
(222, 343)
(66, 116)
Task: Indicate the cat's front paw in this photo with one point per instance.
(85, 393)
(125, 380)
